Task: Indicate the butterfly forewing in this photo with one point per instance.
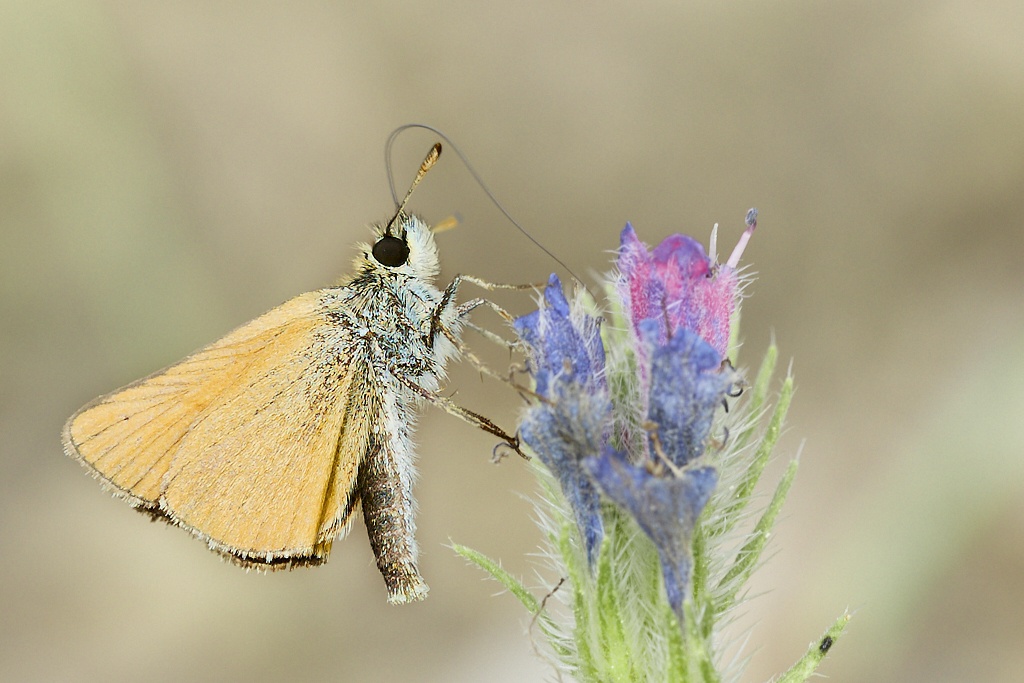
(248, 443)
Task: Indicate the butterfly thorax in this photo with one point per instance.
(384, 321)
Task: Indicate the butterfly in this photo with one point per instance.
(267, 442)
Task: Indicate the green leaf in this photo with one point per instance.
(500, 575)
(759, 393)
(750, 553)
(768, 441)
(745, 489)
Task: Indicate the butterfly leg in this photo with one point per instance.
(473, 418)
(445, 306)
(446, 319)
(438, 326)
(463, 310)
(492, 286)
(446, 314)
(490, 336)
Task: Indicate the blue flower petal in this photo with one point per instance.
(687, 385)
(570, 421)
(563, 434)
(664, 505)
(561, 344)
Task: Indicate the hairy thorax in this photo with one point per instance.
(385, 323)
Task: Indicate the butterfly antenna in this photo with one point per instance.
(479, 181)
(432, 156)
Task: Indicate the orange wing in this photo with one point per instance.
(252, 444)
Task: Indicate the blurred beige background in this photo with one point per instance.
(171, 170)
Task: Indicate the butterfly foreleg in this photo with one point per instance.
(446, 318)
(465, 414)
(492, 286)
(445, 306)
(464, 309)
(474, 360)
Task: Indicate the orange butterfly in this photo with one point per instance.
(264, 443)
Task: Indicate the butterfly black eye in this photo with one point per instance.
(391, 251)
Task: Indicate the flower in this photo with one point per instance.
(679, 306)
(688, 382)
(623, 419)
(656, 487)
(570, 421)
(679, 285)
(665, 505)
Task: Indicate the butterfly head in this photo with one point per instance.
(403, 246)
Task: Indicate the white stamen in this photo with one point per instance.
(734, 259)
